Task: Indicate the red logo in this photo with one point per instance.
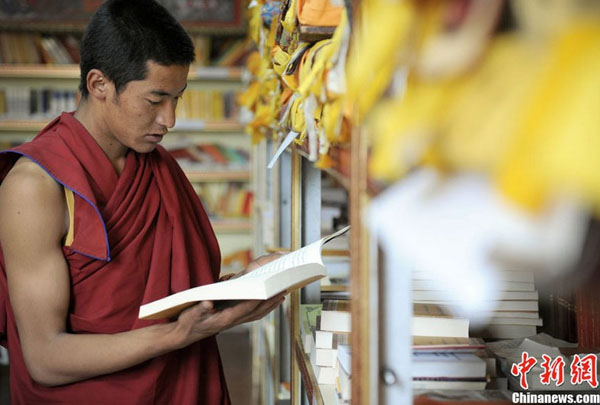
(554, 370)
(584, 369)
(521, 369)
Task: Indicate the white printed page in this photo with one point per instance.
(308, 254)
(305, 255)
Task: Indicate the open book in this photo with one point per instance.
(291, 271)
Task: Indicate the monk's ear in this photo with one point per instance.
(97, 84)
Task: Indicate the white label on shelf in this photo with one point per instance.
(212, 73)
(286, 142)
(189, 125)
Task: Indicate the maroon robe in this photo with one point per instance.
(138, 237)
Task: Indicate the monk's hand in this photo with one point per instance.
(202, 320)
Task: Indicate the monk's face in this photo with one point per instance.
(143, 112)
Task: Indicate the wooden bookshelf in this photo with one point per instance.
(20, 126)
(311, 387)
(340, 170)
(218, 175)
(40, 71)
(334, 172)
(324, 252)
(313, 34)
(36, 125)
(208, 126)
(241, 225)
(72, 72)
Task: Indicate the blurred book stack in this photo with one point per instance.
(209, 157)
(444, 356)
(516, 311)
(223, 200)
(333, 329)
(63, 49)
(35, 48)
(32, 103)
(207, 105)
(213, 170)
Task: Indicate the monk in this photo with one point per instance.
(97, 219)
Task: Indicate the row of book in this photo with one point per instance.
(224, 200)
(212, 51)
(445, 356)
(516, 313)
(35, 48)
(22, 102)
(212, 105)
(325, 332)
(60, 49)
(25, 102)
(209, 157)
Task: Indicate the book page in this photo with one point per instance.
(308, 254)
(305, 255)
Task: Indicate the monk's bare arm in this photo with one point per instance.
(32, 225)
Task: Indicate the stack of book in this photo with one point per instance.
(35, 48)
(444, 356)
(25, 102)
(516, 311)
(323, 328)
(207, 105)
(225, 200)
(209, 157)
(333, 329)
(46, 48)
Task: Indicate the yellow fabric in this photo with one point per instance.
(280, 60)
(483, 115)
(289, 21)
(255, 21)
(291, 74)
(555, 148)
(248, 97)
(253, 63)
(404, 130)
(70, 199)
(319, 13)
(378, 42)
(297, 122)
(309, 71)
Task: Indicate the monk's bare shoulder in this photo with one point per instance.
(31, 196)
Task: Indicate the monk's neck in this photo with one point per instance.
(114, 150)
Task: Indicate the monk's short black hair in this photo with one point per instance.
(123, 35)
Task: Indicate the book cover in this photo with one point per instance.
(308, 325)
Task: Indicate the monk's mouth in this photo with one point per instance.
(154, 137)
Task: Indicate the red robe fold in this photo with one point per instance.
(138, 237)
